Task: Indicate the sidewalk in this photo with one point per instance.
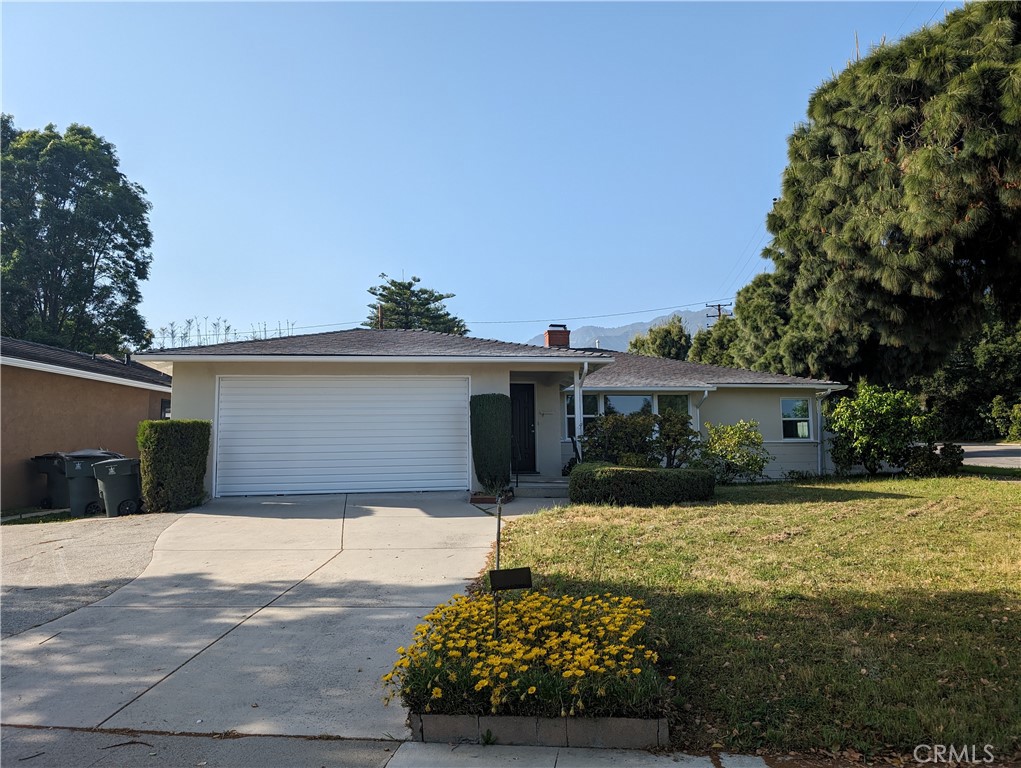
(63, 748)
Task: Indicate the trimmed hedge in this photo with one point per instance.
(491, 440)
(600, 483)
(173, 457)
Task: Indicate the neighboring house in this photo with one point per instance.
(387, 410)
(786, 408)
(56, 400)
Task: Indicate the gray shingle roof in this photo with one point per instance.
(638, 371)
(366, 342)
(81, 361)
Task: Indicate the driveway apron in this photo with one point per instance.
(272, 615)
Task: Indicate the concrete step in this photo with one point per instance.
(543, 488)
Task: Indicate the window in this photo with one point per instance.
(589, 411)
(164, 408)
(794, 416)
(677, 403)
(625, 404)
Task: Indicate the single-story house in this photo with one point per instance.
(57, 400)
(786, 408)
(388, 410)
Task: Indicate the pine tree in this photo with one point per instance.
(671, 339)
(399, 304)
(901, 208)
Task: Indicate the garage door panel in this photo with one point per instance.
(283, 435)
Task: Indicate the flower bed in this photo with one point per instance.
(554, 657)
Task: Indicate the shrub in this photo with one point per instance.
(875, 426)
(491, 440)
(1000, 414)
(734, 452)
(1014, 435)
(173, 455)
(928, 461)
(676, 442)
(601, 483)
(615, 435)
(555, 657)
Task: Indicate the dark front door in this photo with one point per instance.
(522, 427)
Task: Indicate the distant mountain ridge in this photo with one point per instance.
(617, 338)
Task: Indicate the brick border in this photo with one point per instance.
(598, 732)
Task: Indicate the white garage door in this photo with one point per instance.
(333, 434)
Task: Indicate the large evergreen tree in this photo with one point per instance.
(400, 304)
(671, 339)
(900, 215)
(75, 241)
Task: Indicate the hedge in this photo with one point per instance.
(600, 483)
(491, 440)
(173, 455)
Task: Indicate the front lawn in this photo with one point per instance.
(866, 615)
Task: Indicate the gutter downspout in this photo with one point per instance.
(579, 424)
(698, 410)
(819, 397)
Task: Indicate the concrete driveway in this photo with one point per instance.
(270, 615)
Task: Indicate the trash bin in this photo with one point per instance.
(81, 480)
(120, 487)
(52, 465)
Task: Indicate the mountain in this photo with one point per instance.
(617, 338)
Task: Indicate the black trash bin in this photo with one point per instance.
(52, 465)
(120, 486)
(81, 479)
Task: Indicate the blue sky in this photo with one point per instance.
(542, 161)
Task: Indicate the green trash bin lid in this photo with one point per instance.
(112, 467)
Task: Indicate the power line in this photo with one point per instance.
(591, 317)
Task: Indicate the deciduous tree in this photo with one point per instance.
(75, 241)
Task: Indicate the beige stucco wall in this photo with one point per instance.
(44, 412)
(728, 406)
(195, 391)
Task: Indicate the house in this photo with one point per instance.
(786, 408)
(387, 410)
(366, 410)
(57, 400)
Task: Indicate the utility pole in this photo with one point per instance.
(721, 311)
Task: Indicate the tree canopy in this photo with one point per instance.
(75, 241)
(671, 339)
(400, 304)
(714, 346)
(900, 212)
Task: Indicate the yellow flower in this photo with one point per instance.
(531, 689)
(437, 693)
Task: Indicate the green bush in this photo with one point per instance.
(928, 461)
(601, 483)
(876, 426)
(676, 442)
(173, 455)
(1014, 435)
(618, 437)
(733, 452)
(491, 440)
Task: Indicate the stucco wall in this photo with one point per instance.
(44, 412)
(195, 391)
(727, 406)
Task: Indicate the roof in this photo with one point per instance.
(642, 372)
(29, 354)
(367, 342)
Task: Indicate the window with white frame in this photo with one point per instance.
(795, 419)
(595, 405)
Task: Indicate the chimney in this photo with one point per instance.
(558, 336)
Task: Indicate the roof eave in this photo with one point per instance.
(473, 359)
(62, 370)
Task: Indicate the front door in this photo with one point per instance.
(522, 427)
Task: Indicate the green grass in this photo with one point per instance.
(32, 515)
(871, 615)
